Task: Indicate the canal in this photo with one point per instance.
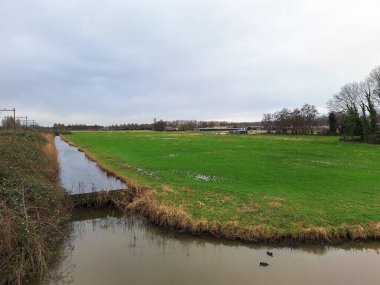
(105, 248)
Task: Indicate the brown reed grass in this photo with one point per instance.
(51, 152)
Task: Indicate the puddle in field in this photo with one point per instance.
(79, 174)
(203, 177)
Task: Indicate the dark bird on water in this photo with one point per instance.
(270, 253)
(263, 263)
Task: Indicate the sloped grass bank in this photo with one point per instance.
(253, 188)
(32, 205)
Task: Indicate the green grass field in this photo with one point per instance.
(288, 183)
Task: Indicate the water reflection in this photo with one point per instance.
(107, 249)
(78, 174)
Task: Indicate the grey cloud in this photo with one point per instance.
(130, 61)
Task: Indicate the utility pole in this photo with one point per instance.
(32, 123)
(14, 115)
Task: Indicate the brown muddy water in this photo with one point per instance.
(104, 248)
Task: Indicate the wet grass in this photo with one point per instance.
(281, 185)
(31, 205)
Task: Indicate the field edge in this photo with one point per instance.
(141, 199)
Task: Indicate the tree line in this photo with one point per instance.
(9, 123)
(304, 120)
(189, 125)
(355, 109)
(157, 125)
(353, 113)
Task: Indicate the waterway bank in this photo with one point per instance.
(33, 209)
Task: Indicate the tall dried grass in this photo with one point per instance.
(142, 200)
(51, 152)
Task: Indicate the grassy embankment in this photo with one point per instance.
(254, 188)
(31, 204)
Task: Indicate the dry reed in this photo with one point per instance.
(51, 151)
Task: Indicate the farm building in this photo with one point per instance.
(170, 129)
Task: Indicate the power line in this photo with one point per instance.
(25, 120)
(33, 123)
(14, 115)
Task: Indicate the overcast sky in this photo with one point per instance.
(124, 61)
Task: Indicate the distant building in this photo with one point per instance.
(220, 130)
(216, 129)
(254, 128)
(170, 129)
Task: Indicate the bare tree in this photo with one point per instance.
(282, 121)
(267, 122)
(9, 123)
(309, 113)
(159, 125)
(374, 81)
(348, 97)
(297, 122)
